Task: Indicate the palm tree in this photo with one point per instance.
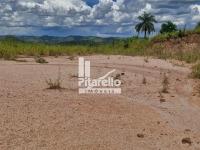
(147, 24)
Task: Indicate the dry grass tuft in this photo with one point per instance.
(40, 60)
(165, 84)
(117, 77)
(53, 84)
(71, 58)
(146, 59)
(196, 71)
(56, 83)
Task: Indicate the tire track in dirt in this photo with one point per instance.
(179, 112)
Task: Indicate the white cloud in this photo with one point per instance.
(148, 8)
(71, 13)
(195, 9)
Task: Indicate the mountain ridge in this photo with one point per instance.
(76, 39)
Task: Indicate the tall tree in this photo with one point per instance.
(146, 24)
(168, 27)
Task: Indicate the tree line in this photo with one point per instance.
(146, 25)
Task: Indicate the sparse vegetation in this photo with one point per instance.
(117, 77)
(196, 71)
(10, 47)
(197, 26)
(165, 84)
(55, 84)
(40, 60)
(71, 58)
(146, 59)
(182, 32)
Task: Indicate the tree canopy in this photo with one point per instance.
(168, 27)
(198, 25)
(146, 24)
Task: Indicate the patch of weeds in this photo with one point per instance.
(40, 60)
(117, 77)
(196, 71)
(165, 84)
(56, 83)
(126, 45)
(71, 58)
(146, 59)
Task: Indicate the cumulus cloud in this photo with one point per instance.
(106, 16)
(195, 10)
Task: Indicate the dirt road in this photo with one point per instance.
(141, 118)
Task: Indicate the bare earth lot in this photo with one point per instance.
(34, 118)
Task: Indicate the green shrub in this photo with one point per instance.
(165, 36)
(197, 30)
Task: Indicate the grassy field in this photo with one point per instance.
(10, 48)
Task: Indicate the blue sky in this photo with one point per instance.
(90, 17)
(92, 2)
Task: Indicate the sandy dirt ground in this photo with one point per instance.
(35, 118)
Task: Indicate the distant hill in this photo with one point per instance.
(64, 40)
